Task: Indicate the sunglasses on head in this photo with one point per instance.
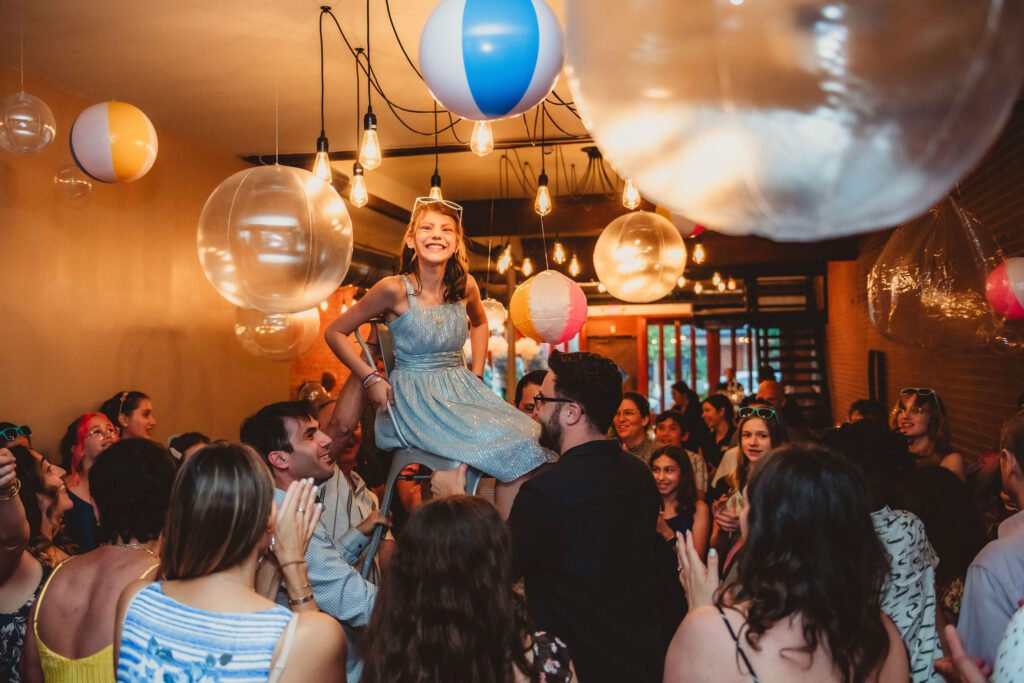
(11, 433)
(917, 391)
(763, 413)
(430, 200)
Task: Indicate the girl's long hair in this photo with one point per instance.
(686, 492)
(456, 269)
(446, 610)
(812, 551)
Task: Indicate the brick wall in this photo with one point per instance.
(980, 388)
(320, 358)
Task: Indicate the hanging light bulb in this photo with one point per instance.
(558, 254)
(369, 151)
(357, 194)
(542, 205)
(721, 286)
(322, 163)
(731, 284)
(630, 195)
(574, 266)
(505, 260)
(681, 281)
(698, 288)
(699, 253)
(527, 267)
(601, 288)
(716, 279)
(481, 143)
(435, 187)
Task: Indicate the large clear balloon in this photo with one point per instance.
(484, 59)
(796, 120)
(639, 257)
(275, 239)
(277, 336)
(27, 125)
(927, 288)
(71, 183)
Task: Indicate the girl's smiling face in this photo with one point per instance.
(434, 237)
(755, 439)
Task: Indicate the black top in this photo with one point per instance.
(584, 541)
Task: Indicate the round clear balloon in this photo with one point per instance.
(639, 257)
(277, 336)
(71, 183)
(27, 125)
(275, 239)
(794, 120)
(496, 314)
(927, 288)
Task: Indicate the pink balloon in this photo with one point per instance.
(1004, 288)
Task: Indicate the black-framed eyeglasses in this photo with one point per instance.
(763, 413)
(917, 391)
(541, 399)
(11, 433)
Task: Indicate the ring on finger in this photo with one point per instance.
(301, 509)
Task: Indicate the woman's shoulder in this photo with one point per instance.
(319, 649)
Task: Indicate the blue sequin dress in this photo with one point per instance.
(443, 408)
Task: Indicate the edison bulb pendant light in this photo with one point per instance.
(322, 163)
(698, 288)
(558, 254)
(527, 267)
(357, 195)
(542, 205)
(574, 266)
(481, 143)
(505, 260)
(700, 255)
(369, 151)
(630, 195)
(435, 187)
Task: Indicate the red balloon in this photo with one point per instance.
(1004, 288)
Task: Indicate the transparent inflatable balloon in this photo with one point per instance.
(275, 239)
(496, 314)
(927, 288)
(27, 125)
(639, 257)
(276, 336)
(795, 119)
(71, 183)
(1008, 339)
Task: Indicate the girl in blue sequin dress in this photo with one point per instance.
(440, 406)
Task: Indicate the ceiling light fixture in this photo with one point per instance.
(574, 266)
(481, 143)
(435, 180)
(542, 204)
(731, 284)
(322, 162)
(370, 155)
(504, 261)
(700, 255)
(558, 253)
(527, 267)
(630, 195)
(698, 288)
(358, 194)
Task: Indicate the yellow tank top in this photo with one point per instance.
(96, 668)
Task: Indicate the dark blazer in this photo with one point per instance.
(584, 541)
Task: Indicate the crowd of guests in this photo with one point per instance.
(720, 539)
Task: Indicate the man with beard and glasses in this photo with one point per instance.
(583, 529)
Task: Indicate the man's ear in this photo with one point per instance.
(572, 413)
(279, 460)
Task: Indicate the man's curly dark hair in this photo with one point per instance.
(131, 484)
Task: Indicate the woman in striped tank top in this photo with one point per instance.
(204, 620)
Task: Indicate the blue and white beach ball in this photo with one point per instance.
(491, 59)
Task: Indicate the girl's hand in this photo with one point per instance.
(664, 530)
(296, 520)
(8, 469)
(699, 582)
(727, 520)
(381, 395)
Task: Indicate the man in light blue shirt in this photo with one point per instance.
(291, 442)
(995, 579)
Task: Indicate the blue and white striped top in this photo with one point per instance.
(165, 640)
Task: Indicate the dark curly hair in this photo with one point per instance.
(131, 485)
(446, 610)
(29, 470)
(265, 430)
(686, 493)
(811, 550)
(591, 380)
(456, 270)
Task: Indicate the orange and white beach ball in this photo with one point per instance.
(113, 142)
(549, 307)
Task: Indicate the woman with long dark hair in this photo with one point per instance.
(806, 605)
(446, 610)
(920, 416)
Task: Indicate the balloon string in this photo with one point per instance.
(21, 40)
(277, 121)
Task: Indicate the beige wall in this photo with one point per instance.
(107, 293)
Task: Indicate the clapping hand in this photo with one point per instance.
(700, 582)
(8, 469)
(296, 520)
